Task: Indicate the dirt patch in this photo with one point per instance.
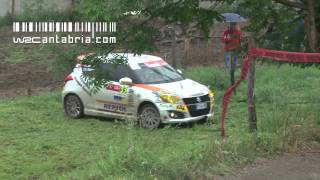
(25, 78)
(303, 166)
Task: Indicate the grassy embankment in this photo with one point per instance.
(37, 140)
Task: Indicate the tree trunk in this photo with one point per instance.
(173, 47)
(187, 49)
(310, 25)
(252, 116)
(13, 7)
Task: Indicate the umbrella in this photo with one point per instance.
(233, 17)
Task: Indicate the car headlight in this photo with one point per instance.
(169, 98)
(211, 94)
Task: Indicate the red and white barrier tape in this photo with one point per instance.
(282, 56)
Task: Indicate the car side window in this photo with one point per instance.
(116, 72)
(121, 71)
(108, 69)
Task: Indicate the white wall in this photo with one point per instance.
(5, 5)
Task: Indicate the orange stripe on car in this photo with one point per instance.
(149, 87)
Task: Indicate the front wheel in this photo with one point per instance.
(149, 117)
(73, 106)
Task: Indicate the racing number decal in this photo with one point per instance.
(117, 88)
(124, 89)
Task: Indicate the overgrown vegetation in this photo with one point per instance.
(25, 53)
(37, 140)
(39, 11)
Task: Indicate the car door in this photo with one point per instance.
(114, 98)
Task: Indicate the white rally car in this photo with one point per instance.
(146, 89)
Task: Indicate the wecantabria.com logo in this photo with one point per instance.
(64, 32)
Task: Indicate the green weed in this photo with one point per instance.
(38, 141)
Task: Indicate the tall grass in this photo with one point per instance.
(37, 141)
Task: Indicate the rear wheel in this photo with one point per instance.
(149, 117)
(73, 106)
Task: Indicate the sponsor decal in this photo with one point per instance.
(83, 86)
(131, 91)
(111, 107)
(117, 88)
(117, 97)
(157, 63)
(152, 64)
(115, 108)
(166, 105)
(182, 108)
(130, 100)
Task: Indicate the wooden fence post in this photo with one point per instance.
(187, 50)
(251, 96)
(173, 47)
(13, 7)
(210, 47)
(29, 83)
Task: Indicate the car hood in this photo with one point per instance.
(185, 88)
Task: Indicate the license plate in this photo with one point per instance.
(201, 106)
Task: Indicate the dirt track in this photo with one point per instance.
(305, 166)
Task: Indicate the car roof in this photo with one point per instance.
(135, 60)
(134, 57)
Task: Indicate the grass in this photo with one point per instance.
(22, 53)
(37, 140)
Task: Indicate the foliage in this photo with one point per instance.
(278, 26)
(6, 20)
(281, 24)
(24, 53)
(37, 11)
(65, 58)
(138, 33)
(94, 62)
(38, 141)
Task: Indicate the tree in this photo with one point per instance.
(140, 30)
(287, 24)
(307, 9)
(13, 7)
(138, 33)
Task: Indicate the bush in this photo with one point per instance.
(34, 11)
(65, 59)
(215, 77)
(6, 20)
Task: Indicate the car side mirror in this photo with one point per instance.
(125, 81)
(179, 71)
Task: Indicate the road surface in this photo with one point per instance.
(305, 166)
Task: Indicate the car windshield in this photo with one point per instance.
(157, 75)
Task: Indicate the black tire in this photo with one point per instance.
(149, 117)
(73, 106)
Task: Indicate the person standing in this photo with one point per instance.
(232, 39)
(232, 43)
